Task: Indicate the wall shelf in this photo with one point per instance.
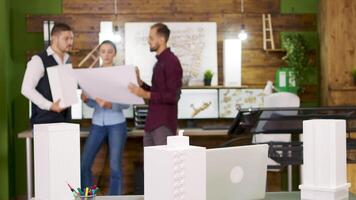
(215, 87)
(345, 88)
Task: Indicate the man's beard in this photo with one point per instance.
(69, 48)
(152, 49)
(66, 49)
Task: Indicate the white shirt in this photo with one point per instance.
(34, 72)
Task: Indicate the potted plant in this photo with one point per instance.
(296, 58)
(208, 75)
(353, 72)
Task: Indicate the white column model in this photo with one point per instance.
(324, 168)
(56, 160)
(176, 171)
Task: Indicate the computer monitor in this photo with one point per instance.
(237, 172)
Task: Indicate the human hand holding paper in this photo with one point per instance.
(104, 104)
(84, 97)
(55, 106)
(139, 80)
(138, 91)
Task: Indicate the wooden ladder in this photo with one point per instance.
(268, 40)
(91, 55)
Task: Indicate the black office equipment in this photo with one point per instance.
(288, 120)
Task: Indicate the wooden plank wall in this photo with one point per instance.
(338, 46)
(338, 58)
(257, 67)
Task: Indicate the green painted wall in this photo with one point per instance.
(312, 41)
(5, 62)
(311, 37)
(21, 43)
(299, 6)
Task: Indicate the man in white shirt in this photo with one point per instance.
(35, 85)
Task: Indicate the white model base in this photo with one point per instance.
(320, 193)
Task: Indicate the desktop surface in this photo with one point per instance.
(269, 196)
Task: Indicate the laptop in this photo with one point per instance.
(237, 173)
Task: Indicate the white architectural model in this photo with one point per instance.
(63, 85)
(324, 168)
(56, 160)
(175, 171)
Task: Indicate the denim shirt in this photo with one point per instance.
(106, 117)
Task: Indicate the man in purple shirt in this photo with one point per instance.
(164, 93)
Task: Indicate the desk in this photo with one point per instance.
(135, 133)
(269, 196)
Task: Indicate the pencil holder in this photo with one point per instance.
(89, 197)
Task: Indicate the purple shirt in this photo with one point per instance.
(165, 92)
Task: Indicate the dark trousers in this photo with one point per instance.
(157, 136)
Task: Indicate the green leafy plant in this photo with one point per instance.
(208, 75)
(296, 57)
(353, 73)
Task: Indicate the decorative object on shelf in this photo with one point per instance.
(353, 72)
(186, 79)
(208, 75)
(232, 61)
(268, 39)
(267, 27)
(268, 88)
(285, 80)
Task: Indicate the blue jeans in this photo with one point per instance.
(116, 135)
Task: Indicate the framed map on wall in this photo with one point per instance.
(194, 43)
